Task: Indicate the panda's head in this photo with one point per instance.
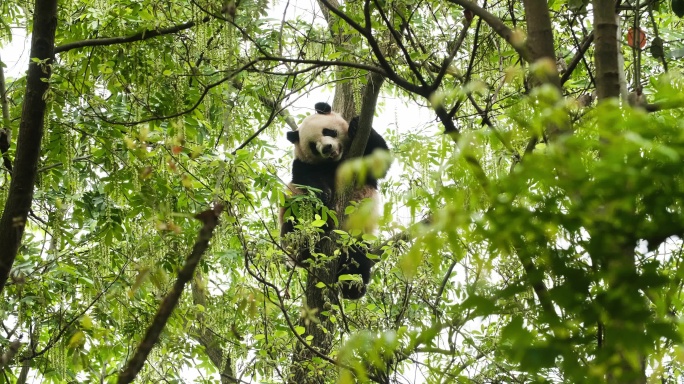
(321, 137)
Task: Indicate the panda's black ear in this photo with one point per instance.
(293, 137)
(323, 108)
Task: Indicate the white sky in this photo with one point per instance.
(15, 55)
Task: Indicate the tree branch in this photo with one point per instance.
(577, 58)
(210, 219)
(143, 35)
(397, 39)
(368, 103)
(454, 49)
(497, 25)
(206, 90)
(377, 51)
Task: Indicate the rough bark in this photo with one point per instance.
(606, 49)
(20, 196)
(343, 100)
(615, 253)
(540, 38)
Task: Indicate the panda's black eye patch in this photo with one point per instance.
(329, 132)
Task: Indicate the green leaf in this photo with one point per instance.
(538, 357)
(410, 262)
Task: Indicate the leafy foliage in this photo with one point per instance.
(503, 256)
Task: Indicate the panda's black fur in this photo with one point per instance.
(321, 143)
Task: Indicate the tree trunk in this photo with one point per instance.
(343, 101)
(20, 196)
(540, 46)
(614, 253)
(321, 329)
(540, 38)
(606, 49)
(319, 301)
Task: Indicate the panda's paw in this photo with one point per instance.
(353, 127)
(352, 290)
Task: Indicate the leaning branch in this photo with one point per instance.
(497, 25)
(578, 57)
(197, 103)
(210, 220)
(369, 101)
(144, 35)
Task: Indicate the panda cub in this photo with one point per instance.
(320, 145)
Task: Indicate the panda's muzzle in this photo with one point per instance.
(329, 151)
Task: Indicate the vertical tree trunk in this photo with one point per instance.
(540, 38)
(540, 45)
(321, 329)
(615, 254)
(319, 300)
(606, 49)
(20, 196)
(343, 100)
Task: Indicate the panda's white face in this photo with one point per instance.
(321, 138)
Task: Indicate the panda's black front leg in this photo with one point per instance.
(354, 262)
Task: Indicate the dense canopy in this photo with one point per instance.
(532, 219)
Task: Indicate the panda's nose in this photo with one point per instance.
(327, 149)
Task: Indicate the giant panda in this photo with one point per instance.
(321, 143)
